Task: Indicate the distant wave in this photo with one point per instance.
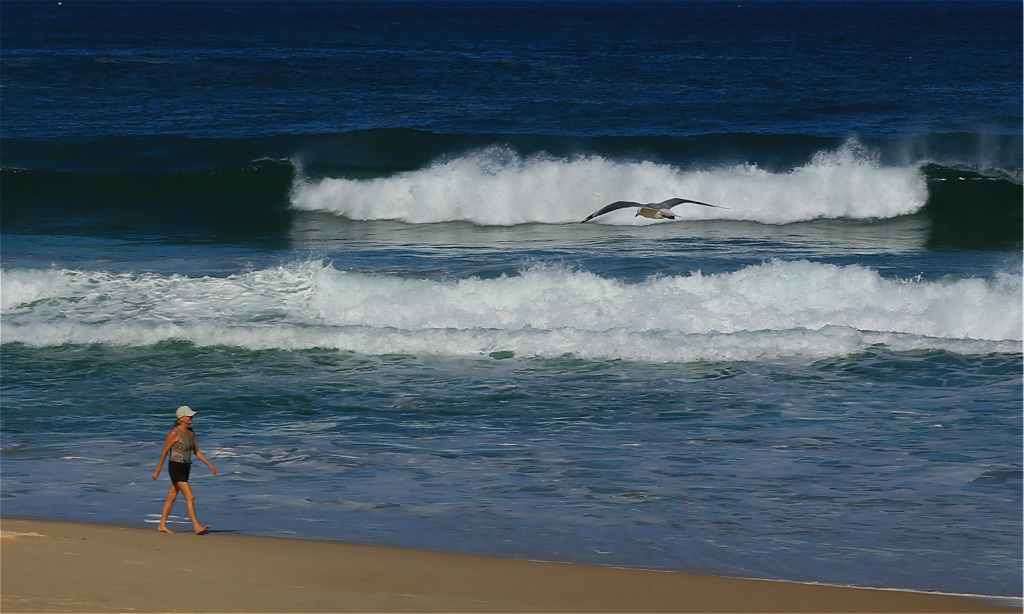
(778, 309)
(498, 187)
(254, 187)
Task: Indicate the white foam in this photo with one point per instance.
(775, 309)
(16, 534)
(497, 187)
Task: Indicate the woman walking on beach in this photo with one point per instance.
(181, 444)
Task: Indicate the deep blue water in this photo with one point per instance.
(348, 234)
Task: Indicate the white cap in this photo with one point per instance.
(185, 410)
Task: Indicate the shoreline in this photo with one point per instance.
(76, 567)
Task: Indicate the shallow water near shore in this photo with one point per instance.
(748, 469)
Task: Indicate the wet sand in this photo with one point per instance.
(68, 567)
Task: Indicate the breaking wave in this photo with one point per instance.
(777, 309)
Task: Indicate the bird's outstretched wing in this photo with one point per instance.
(622, 204)
(672, 202)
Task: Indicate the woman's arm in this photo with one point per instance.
(171, 438)
(201, 457)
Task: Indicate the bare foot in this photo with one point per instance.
(201, 530)
(164, 529)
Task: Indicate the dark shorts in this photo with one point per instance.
(178, 471)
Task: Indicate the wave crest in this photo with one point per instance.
(498, 187)
(776, 309)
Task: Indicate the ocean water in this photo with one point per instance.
(347, 234)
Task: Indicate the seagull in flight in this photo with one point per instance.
(655, 211)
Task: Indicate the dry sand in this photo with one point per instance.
(67, 567)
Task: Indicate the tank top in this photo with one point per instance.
(181, 450)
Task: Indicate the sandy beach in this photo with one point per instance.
(68, 567)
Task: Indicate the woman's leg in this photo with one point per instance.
(168, 504)
(190, 500)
